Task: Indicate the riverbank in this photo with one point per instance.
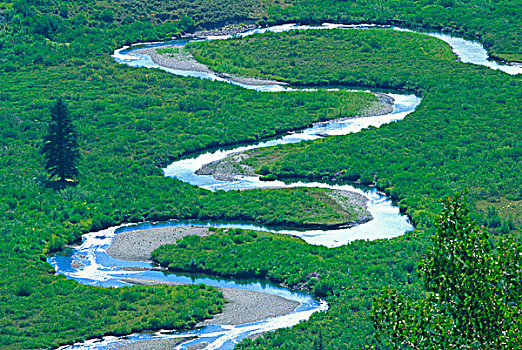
(243, 306)
(182, 60)
(138, 245)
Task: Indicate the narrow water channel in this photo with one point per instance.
(89, 263)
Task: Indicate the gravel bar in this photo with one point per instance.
(243, 306)
(138, 245)
(184, 61)
(153, 344)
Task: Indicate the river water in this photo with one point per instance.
(90, 264)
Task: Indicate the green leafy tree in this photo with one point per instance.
(318, 342)
(473, 292)
(60, 146)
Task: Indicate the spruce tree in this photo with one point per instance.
(60, 146)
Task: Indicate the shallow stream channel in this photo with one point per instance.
(90, 264)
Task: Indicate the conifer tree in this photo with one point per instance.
(60, 146)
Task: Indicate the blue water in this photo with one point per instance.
(90, 264)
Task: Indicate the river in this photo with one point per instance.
(89, 263)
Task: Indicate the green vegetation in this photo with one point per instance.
(368, 58)
(130, 123)
(42, 32)
(46, 33)
(60, 146)
(452, 142)
(497, 24)
(301, 207)
(51, 310)
(474, 289)
(348, 277)
(133, 121)
(473, 292)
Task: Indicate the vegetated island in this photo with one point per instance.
(242, 306)
(236, 164)
(175, 57)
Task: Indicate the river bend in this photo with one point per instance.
(89, 263)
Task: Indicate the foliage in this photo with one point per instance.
(45, 33)
(293, 207)
(451, 142)
(473, 292)
(132, 122)
(496, 24)
(60, 146)
(350, 57)
(60, 311)
(347, 277)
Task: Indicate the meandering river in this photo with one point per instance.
(89, 263)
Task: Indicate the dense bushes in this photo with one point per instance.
(453, 141)
(46, 33)
(127, 119)
(36, 33)
(130, 123)
(495, 24)
(464, 136)
(347, 277)
(91, 312)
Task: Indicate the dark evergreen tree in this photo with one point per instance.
(60, 146)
